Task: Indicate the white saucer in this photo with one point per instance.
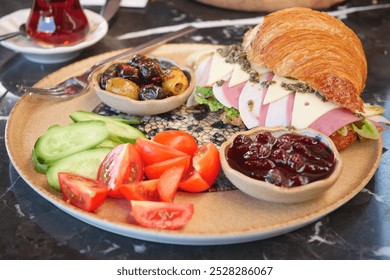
(36, 53)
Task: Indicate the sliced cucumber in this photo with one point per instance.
(41, 168)
(59, 142)
(108, 143)
(119, 131)
(131, 120)
(85, 163)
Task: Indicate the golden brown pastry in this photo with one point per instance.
(269, 5)
(314, 48)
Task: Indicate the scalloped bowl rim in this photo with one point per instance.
(142, 107)
(270, 192)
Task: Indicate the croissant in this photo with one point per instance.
(314, 48)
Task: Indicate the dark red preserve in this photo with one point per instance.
(289, 160)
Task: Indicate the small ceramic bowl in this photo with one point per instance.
(270, 192)
(143, 107)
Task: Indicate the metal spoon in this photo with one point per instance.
(22, 31)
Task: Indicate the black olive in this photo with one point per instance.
(150, 72)
(130, 72)
(110, 72)
(138, 59)
(150, 92)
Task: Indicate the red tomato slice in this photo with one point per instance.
(154, 171)
(169, 183)
(153, 152)
(206, 162)
(82, 192)
(123, 165)
(178, 140)
(161, 215)
(144, 190)
(194, 183)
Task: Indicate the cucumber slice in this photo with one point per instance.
(59, 142)
(85, 163)
(108, 143)
(131, 120)
(119, 131)
(41, 168)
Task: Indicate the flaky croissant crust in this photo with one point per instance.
(314, 48)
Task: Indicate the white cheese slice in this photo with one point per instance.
(249, 104)
(259, 68)
(198, 56)
(219, 69)
(307, 108)
(275, 89)
(238, 76)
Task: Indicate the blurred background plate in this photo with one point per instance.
(36, 53)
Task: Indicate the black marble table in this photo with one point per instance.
(32, 228)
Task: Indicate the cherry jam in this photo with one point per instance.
(289, 160)
(57, 22)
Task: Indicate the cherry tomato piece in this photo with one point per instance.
(123, 165)
(153, 152)
(154, 171)
(82, 192)
(143, 190)
(169, 183)
(161, 215)
(206, 161)
(178, 140)
(194, 183)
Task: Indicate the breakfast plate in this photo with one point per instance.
(222, 216)
(36, 53)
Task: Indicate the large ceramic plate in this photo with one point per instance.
(36, 53)
(221, 217)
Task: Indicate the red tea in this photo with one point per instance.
(57, 22)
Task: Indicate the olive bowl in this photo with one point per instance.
(131, 106)
(272, 193)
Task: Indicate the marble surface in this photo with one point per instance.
(32, 228)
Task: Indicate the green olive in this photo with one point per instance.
(123, 87)
(175, 81)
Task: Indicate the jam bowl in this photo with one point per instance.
(143, 85)
(281, 165)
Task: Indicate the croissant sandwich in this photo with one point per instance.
(298, 68)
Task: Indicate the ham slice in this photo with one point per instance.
(280, 111)
(232, 94)
(334, 120)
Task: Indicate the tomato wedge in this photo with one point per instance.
(194, 183)
(144, 190)
(153, 152)
(161, 215)
(179, 140)
(122, 165)
(169, 183)
(82, 192)
(154, 171)
(206, 161)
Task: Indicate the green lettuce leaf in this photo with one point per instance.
(366, 129)
(204, 95)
